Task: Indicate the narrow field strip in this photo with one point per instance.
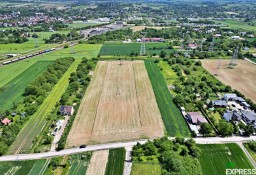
(98, 163)
(13, 90)
(115, 165)
(33, 127)
(173, 120)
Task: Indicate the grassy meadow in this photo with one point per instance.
(146, 168)
(174, 122)
(216, 158)
(236, 24)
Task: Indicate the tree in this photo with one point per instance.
(162, 54)
(206, 128)
(225, 128)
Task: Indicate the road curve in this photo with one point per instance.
(205, 140)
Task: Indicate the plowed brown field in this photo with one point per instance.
(241, 78)
(119, 104)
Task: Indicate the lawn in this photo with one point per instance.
(216, 158)
(126, 49)
(173, 120)
(12, 91)
(146, 169)
(34, 126)
(236, 24)
(115, 165)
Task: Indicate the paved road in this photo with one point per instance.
(247, 154)
(210, 140)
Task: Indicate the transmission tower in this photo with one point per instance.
(219, 64)
(72, 49)
(201, 45)
(35, 39)
(211, 46)
(143, 44)
(121, 63)
(234, 58)
(182, 42)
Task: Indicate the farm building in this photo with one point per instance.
(150, 40)
(230, 96)
(240, 99)
(219, 103)
(6, 121)
(66, 110)
(232, 115)
(196, 118)
(249, 116)
(11, 55)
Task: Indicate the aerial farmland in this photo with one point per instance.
(118, 105)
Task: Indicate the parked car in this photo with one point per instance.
(82, 146)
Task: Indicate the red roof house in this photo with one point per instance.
(6, 121)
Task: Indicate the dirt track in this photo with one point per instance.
(241, 78)
(119, 105)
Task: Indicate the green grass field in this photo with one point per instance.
(216, 158)
(115, 165)
(31, 167)
(33, 127)
(11, 71)
(126, 49)
(12, 92)
(146, 169)
(80, 24)
(173, 120)
(236, 24)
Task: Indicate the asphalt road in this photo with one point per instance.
(210, 140)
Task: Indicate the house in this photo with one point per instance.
(152, 40)
(230, 97)
(235, 37)
(217, 35)
(192, 46)
(249, 116)
(6, 121)
(196, 118)
(232, 115)
(66, 110)
(219, 103)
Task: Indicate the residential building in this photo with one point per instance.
(249, 116)
(66, 110)
(6, 121)
(219, 103)
(232, 115)
(196, 118)
(230, 97)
